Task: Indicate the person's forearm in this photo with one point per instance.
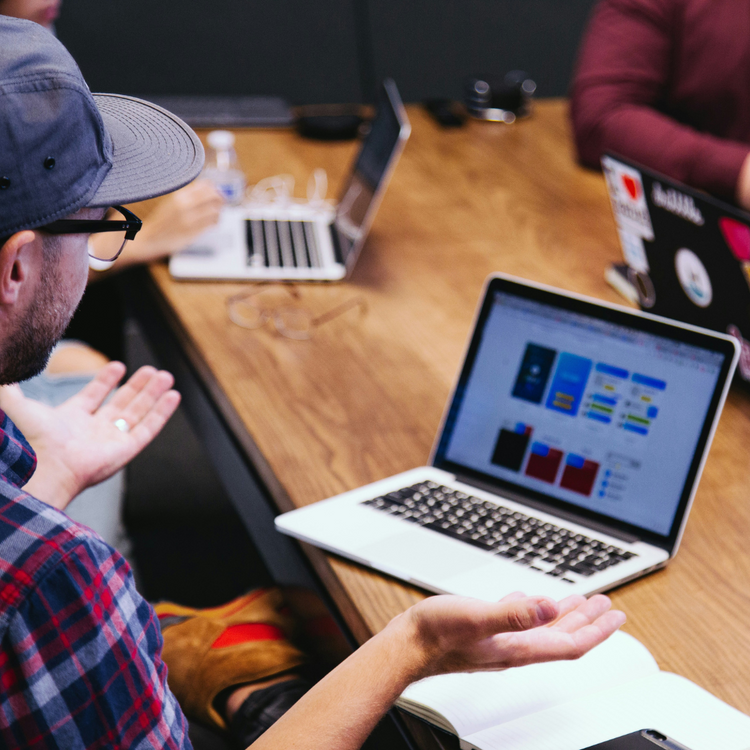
(51, 487)
(52, 482)
(342, 709)
(743, 184)
(440, 635)
(624, 70)
(651, 138)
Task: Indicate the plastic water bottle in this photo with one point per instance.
(222, 167)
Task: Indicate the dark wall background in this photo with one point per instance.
(314, 51)
(302, 49)
(430, 46)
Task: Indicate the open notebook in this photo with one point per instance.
(615, 689)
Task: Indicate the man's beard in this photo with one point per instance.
(28, 351)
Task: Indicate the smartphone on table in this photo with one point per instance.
(644, 739)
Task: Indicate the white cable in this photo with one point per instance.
(279, 190)
(317, 186)
(276, 189)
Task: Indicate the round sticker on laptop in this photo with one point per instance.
(693, 277)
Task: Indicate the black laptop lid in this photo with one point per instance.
(585, 408)
(691, 251)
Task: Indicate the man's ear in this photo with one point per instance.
(15, 265)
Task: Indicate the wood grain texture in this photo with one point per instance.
(363, 399)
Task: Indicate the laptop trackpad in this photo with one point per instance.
(415, 554)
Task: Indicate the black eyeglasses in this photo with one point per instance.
(124, 225)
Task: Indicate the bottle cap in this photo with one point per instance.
(220, 139)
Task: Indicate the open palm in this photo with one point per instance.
(462, 634)
(77, 443)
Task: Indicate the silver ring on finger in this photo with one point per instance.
(121, 425)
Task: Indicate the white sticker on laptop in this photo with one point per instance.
(677, 203)
(633, 251)
(628, 198)
(693, 277)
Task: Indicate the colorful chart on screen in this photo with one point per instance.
(595, 414)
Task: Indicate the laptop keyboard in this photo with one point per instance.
(507, 533)
(282, 244)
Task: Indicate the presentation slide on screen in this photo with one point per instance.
(598, 415)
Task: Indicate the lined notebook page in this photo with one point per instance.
(664, 701)
(472, 702)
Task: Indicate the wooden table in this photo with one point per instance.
(363, 399)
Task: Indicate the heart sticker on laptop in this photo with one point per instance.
(737, 236)
(631, 186)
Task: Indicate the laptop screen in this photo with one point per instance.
(357, 204)
(588, 407)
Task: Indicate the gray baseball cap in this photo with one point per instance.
(63, 148)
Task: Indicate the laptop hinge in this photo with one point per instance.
(336, 243)
(603, 528)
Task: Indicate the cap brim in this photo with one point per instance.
(153, 152)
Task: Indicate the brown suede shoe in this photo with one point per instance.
(260, 605)
(207, 651)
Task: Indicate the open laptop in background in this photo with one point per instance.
(687, 254)
(567, 460)
(303, 241)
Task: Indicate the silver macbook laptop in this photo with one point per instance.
(567, 461)
(303, 241)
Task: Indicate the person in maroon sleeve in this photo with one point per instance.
(667, 84)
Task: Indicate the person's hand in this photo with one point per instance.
(174, 223)
(178, 219)
(439, 635)
(77, 443)
(743, 184)
(457, 634)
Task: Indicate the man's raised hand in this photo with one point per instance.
(79, 443)
(457, 634)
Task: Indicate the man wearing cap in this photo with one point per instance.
(95, 333)
(79, 659)
(80, 651)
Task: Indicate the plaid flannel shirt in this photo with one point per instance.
(80, 649)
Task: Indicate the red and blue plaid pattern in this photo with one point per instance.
(80, 649)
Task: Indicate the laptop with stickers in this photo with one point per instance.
(687, 253)
(567, 460)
